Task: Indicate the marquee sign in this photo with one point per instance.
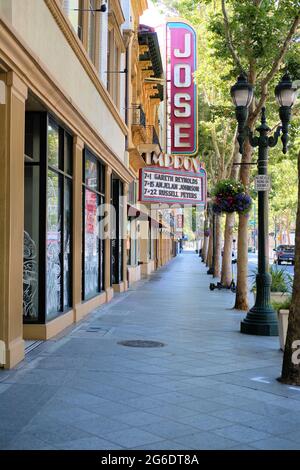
(181, 89)
(165, 185)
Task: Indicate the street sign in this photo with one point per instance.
(262, 183)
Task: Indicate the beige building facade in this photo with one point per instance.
(69, 74)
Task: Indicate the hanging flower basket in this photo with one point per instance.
(231, 196)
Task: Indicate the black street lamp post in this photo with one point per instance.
(261, 318)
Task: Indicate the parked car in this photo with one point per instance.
(284, 253)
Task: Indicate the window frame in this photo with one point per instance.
(44, 167)
(100, 192)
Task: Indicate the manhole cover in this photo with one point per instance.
(139, 343)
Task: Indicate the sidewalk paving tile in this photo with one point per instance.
(204, 389)
(206, 441)
(242, 433)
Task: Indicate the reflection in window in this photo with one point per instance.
(53, 147)
(53, 245)
(91, 245)
(47, 266)
(31, 243)
(68, 150)
(67, 243)
(91, 172)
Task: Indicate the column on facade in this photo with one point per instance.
(124, 234)
(107, 265)
(78, 146)
(144, 247)
(102, 45)
(13, 94)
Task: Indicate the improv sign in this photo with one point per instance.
(181, 89)
(158, 185)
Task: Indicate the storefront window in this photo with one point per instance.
(93, 245)
(33, 129)
(47, 267)
(67, 244)
(68, 152)
(53, 141)
(54, 244)
(59, 220)
(117, 242)
(91, 172)
(31, 243)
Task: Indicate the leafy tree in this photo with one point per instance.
(259, 38)
(254, 36)
(291, 360)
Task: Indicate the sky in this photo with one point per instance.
(152, 17)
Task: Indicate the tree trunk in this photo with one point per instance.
(205, 241)
(241, 300)
(226, 276)
(209, 251)
(291, 360)
(204, 248)
(217, 257)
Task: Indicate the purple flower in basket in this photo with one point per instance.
(243, 202)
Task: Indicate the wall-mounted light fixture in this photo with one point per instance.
(117, 71)
(102, 9)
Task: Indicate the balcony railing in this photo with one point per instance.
(138, 116)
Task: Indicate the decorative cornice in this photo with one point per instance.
(117, 9)
(20, 59)
(73, 40)
(139, 6)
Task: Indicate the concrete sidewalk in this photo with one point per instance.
(208, 387)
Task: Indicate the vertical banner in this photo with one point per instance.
(181, 90)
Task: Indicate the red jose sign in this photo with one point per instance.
(181, 89)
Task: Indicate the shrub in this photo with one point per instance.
(284, 305)
(282, 281)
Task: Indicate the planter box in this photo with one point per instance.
(283, 320)
(279, 296)
(275, 296)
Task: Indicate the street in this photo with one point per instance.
(252, 264)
